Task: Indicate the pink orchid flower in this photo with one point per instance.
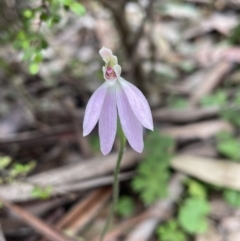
(117, 95)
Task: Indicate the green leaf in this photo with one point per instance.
(66, 2)
(44, 17)
(217, 99)
(228, 146)
(33, 68)
(170, 232)
(192, 215)
(153, 172)
(27, 13)
(232, 197)
(125, 207)
(41, 192)
(5, 161)
(22, 169)
(196, 189)
(38, 57)
(94, 143)
(78, 8)
(177, 103)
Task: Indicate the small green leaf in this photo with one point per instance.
(192, 215)
(33, 68)
(170, 232)
(94, 143)
(27, 13)
(38, 57)
(196, 189)
(125, 207)
(4, 162)
(22, 169)
(217, 99)
(153, 172)
(232, 197)
(66, 2)
(228, 146)
(44, 44)
(177, 103)
(78, 8)
(44, 17)
(41, 192)
(54, 20)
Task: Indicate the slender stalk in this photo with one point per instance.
(115, 184)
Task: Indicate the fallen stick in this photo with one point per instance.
(24, 189)
(71, 177)
(38, 225)
(218, 172)
(84, 211)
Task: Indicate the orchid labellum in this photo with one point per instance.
(116, 95)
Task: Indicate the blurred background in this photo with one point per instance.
(184, 56)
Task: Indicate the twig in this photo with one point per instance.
(84, 211)
(68, 174)
(38, 225)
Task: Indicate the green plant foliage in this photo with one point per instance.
(177, 103)
(31, 41)
(152, 173)
(94, 143)
(125, 207)
(217, 99)
(33, 68)
(192, 215)
(41, 192)
(5, 161)
(231, 112)
(78, 8)
(170, 232)
(228, 146)
(231, 115)
(232, 197)
(22, 169)
(196, 189)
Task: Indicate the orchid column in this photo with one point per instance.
(116, 95)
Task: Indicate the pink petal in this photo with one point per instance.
(131, 126)
(138, 103)
(108, 121)
(93, 109)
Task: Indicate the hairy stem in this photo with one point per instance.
(115, 184)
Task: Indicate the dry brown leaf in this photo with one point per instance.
(214, 171)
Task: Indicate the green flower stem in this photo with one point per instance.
(115, 184)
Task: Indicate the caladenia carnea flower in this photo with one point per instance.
(116, 95)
